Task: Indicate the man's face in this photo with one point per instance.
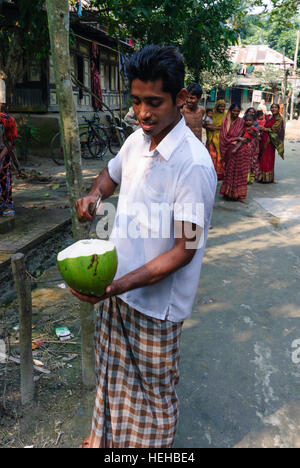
(192, 101)
(154, 108)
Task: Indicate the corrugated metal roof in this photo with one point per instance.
(260, 54)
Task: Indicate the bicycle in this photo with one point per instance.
(56, 148)
(124, 131)
(97, 143)
(103, 137)
(95, 139)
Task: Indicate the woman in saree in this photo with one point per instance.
(237, 141)
(272, 138)
(254, 163)
(8, 134)
(213, 137)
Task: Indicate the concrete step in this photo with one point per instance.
(40, 251)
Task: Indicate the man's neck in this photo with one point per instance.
(192, 109)
(155, 140)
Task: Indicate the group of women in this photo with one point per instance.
(243, 149)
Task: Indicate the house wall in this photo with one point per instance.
(36, 93)
(36, 96)
(241, 95)
(81, 68)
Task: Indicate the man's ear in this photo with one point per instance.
(181, 97)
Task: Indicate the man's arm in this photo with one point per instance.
(158, 268)
(103, 185)
(212, 127)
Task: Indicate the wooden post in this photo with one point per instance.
(23, 287)
(284, 91)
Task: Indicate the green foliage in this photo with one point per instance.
(270, 30)
(285, 11)
(27, 134)
(30, 25)
(219, 78)
(203, 30)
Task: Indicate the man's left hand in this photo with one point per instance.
(111, 290)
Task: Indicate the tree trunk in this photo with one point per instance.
(58, 21)
(14, 66)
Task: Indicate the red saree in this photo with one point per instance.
(234, 185)
(8, 131)
(270, 142)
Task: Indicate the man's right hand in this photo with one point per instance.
(82, 207)
(103, 185)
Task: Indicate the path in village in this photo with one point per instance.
(239, 376)
(240, 381)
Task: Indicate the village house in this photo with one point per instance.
(252, 63)
(36, 91)
(96, 62)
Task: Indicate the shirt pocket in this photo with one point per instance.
(154, 194)
(157, 185)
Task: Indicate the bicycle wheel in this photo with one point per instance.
(97, 145)
(56, 148)
(113, 143)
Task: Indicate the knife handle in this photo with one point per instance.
(92, 208)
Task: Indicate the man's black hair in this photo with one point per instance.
(249, 116)
(154, 62)
(195, 90)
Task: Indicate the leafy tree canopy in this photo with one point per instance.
(29, 24)
(203, 30)
(265, 28)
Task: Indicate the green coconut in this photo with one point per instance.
(89, 266)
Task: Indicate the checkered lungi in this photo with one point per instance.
(137, 372)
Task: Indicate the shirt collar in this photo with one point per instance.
(171, 141)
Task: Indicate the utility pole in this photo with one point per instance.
(295, 74)
(284, 87)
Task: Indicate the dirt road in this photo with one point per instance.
(240, 366)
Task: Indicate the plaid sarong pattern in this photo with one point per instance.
(137, 361)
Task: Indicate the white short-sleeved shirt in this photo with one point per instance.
(175, 182)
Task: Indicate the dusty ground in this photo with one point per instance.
(59, 396)
(239, 386)
(60, 399)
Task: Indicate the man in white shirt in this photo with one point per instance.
(167, 189)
